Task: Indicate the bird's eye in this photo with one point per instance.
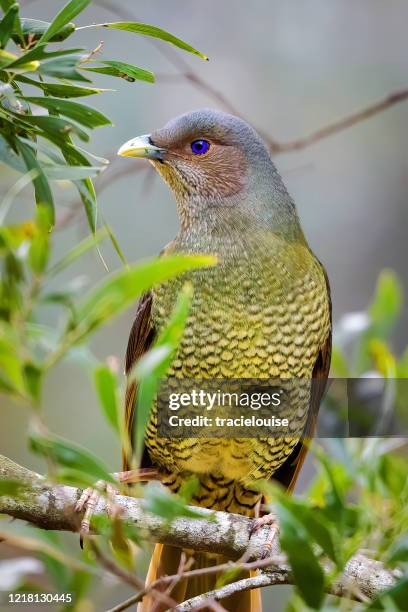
(199, 147)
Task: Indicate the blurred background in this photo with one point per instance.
(288, 69)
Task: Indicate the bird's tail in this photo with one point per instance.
(166, 561)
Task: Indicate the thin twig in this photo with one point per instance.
(126, 577)
(202, 571)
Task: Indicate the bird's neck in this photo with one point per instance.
(231, 234)
(231, 224)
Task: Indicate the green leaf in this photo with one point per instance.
(63, 68)
(339, 363)
(26, 538)
(116, 244)
(80, 249)
(308, 574)
(6, 4)
(53, 125)
(189, 488)
(39, 53)
(33, 29)
(79, 583)
(70, 455)
(39, 248)
(58, 172)
(166, 505)
(75, 478)
(7, 24)
(42, 189)
(9, 157)
(61, 90)
(155, 32)
(399, 551)
(70, 10)
(70, 91)
(75, 157)
(120, 290)
(386, 305)
(34, 377)
(10, 363)
(85, 115)
(105, 382)
(314, 524)
(7, 58)
(87, 194)
(57, 570)
(124, 71)
(54, 171)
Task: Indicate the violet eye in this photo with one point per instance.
(199, 147)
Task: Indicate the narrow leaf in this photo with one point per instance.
(9, 157)
(85, 115)
(308, 574)
(80, 249)
(7, 24)
(39, 248)
(42, 189)
(85, 187)
(70, 91)
(61, 90)
(70, 455)
(33, 29)
(124, 71)
(6, 4)
(120, 290)
(63, 68)
(116, 245)
(313, 523)
(70, 173)
(155, 32)
(105, 382)
(50, 124)
(39, 53)
(70, 10)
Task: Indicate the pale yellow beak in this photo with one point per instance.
(141, 146)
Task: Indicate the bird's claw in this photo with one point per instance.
(88, 502)
(267, 519)
(90, 496)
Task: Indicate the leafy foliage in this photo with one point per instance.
(47, 143)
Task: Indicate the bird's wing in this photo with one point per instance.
(288, 473)
(141, 337)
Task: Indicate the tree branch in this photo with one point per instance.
(52, 507)
(341, 124)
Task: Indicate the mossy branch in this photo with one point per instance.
(51, 506)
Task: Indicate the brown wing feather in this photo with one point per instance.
(288, 473)
(140, 339)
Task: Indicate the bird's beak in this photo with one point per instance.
(141, 146)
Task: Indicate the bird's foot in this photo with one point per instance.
(90, 496)
(271, 520)
(88, 502)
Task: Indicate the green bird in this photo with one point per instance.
(263, 312)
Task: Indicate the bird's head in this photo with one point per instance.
(213, 162)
